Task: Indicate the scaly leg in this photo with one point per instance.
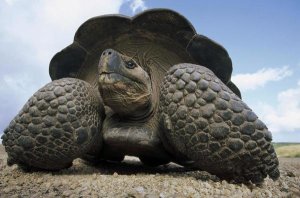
(59, 123)
(202, 120)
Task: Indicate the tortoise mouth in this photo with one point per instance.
(113, 77)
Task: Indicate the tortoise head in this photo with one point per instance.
(124, 85)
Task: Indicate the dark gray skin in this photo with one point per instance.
(193, 119)
(125, 86)
(59, 123)
(203, 120)
(131, 126)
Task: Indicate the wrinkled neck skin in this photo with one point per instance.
(131, 125)
(125, 86)
(126, 102)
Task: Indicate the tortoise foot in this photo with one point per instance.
(204, 121)
(59, 123)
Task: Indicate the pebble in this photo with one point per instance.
(268, 193)
(284, 187)
(7, 190)
(140, 190)
(48, 184)
(67, 193)
(133, 180)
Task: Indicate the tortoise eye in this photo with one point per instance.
(130, 64)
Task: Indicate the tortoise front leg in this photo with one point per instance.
(59, 123)
(202, 120)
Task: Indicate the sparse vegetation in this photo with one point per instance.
(287, 149)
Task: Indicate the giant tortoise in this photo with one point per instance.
(147, 86)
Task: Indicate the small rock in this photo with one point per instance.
(115, 174)
(162, 195)
(224, 182)
(151, 196)
(284, 187)
(39, 181)
(290, 174)
(17, 188)
(7, 190)
(130, 195)
(47, 185)
(140, 189)
(268, 193)
(226, 192)
(67, 193)
(57, 183)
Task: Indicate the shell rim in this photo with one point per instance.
(190, 34)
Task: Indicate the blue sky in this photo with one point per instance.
(262, 38)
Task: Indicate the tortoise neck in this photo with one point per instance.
(142, 115)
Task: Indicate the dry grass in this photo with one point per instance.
(292, 150)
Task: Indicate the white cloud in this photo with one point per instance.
(20, 83)
(251, 81)
(285, 116)
(31, 33)
(48, 26)
(10, 2)
(136, 5)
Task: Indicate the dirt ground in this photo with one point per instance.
(131, 179)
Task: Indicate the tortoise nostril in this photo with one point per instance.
(109, 53)
(103, 53)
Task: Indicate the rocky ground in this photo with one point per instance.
(131, 179)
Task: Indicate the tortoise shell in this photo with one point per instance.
(157, 39)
